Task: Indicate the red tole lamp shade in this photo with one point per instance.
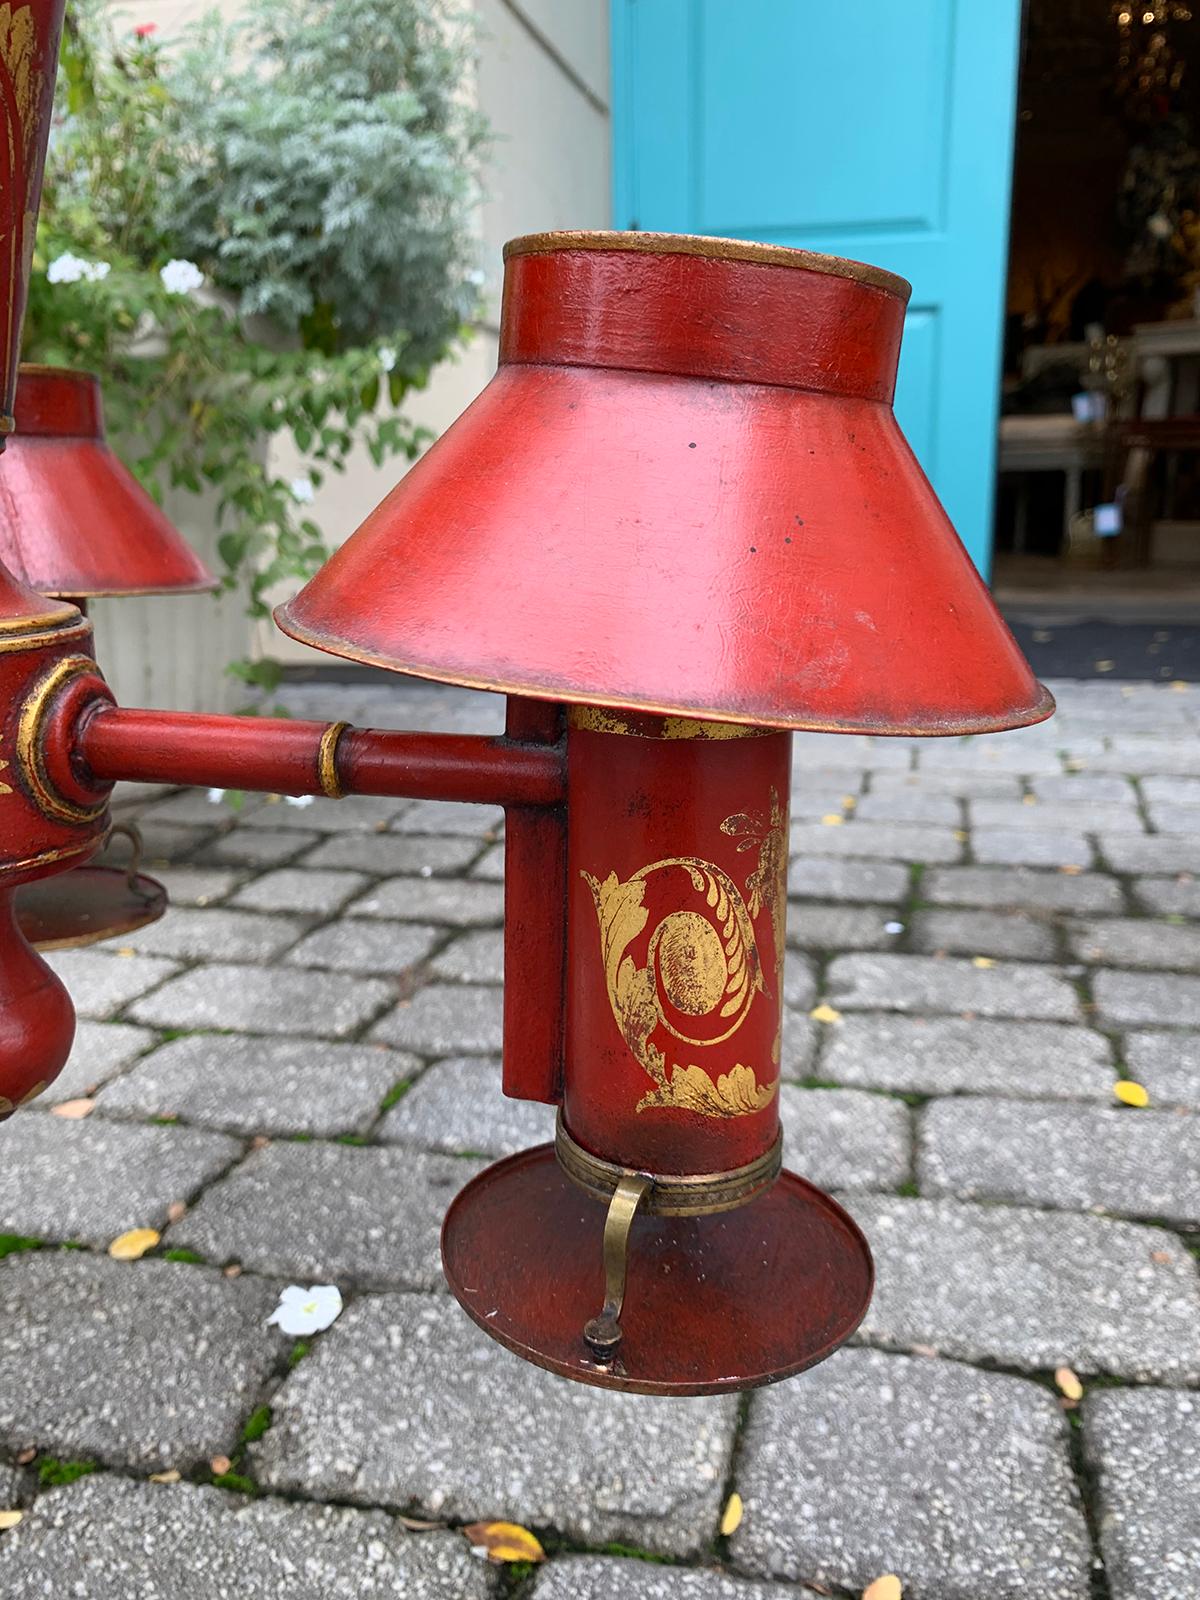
(683, 513)
(684, 491)
(73, 519)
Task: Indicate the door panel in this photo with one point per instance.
(887, 138)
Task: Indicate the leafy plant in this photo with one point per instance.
(323, 184)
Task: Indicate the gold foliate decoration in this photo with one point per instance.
(701, 961)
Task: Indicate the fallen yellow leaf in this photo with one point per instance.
(172, 1475)
(73, 1110)
(833, 820)
(732, 1519)
(130, 1246)
(1068, 1383)
(1071, 871)
(849, 802)
(505, 1541)
(825, 1013)
(220, 1466)
(982, 961)
(1179, 686)
(1130, 1093)
(885, 1588)
(9, 1519)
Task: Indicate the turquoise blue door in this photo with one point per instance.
(880, 130)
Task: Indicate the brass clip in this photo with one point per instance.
(604, 1333)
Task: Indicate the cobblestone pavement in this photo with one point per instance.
(295, 1070)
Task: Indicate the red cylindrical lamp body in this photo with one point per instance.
(676, 869)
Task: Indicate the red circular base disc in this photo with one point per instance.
(85, 905)
(712, 1304)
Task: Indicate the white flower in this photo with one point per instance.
(74, 269)
(302, 490)
(181, 277)
(215, 796)
(893, 927)
(307, 1310)
(387, 357)
(298, 799)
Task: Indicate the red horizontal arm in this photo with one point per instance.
(285, 757)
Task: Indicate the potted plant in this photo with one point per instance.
(262, 233)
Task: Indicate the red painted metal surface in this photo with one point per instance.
(73, 519)
(713, 1303)
(677, 899)
(87, 904)
(684, 491)
(535, 923)
(283, 757)
(28, 62)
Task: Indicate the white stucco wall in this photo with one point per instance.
(542, 82)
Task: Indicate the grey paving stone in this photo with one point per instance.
(162, 843)
(984, 933)
(1031, 1289)
(385, 853)
(906, 805)
(352, 944)
(1172, 791)
(1166, 998)
(270, 1086)
(1150, 755)
(1075, 1158)
(100, 1051)
(192, 935)
(197, 807)
(299, 889)
(146, 1364)
(434, 1436)
(957, 1481)
(1144, 1448)
(799, 982)
(893, 982)
(812, 926)
(101, 981)
(830, 781)
(473, 958)
(954, 1055)
(93, 1180)
(275, 1000)
(435, 816)
(845, 1138)
(799, 1044)
(889, 841)
(330, 1213)
(490, 865)
(1168, 1064)
(1152, 852)
(10, 1485)
(834, 752)
(1179, 896)
(817, 878)
(457, 901)
(965, 785)
(1056, 817)
(1084, 789)
(446, 1018)
(457, 1107)
(258, 847)
(1021, 889)
(1174, 818)
(196, 886)
(611, 1578)
(1135, 942)
(356, 813)
(993, 752)
(1030, 847)
(108, 1539)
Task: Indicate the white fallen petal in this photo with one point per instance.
(311, 1310)
(299, 799)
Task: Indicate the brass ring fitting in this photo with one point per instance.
(670, 1194)
(327, 770)
(44, 699)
